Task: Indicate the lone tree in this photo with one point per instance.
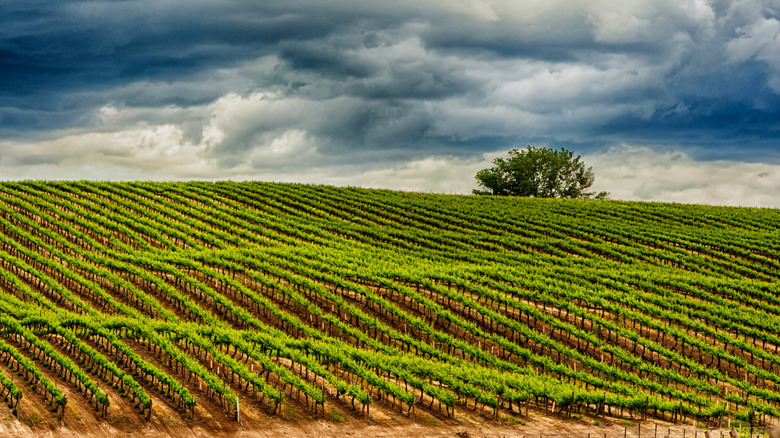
(538, 172)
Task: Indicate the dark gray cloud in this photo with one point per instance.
(225, 88)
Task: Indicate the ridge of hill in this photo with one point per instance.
(138, 302)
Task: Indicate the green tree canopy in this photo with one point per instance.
(538, 172)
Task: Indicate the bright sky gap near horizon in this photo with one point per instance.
(667, 100)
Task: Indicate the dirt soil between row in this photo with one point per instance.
(385, 425)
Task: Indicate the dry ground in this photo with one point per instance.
(337, 423)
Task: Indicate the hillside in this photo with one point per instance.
(169, 303)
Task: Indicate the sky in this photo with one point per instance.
(667, 100)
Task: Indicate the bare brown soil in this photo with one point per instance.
(385, 424)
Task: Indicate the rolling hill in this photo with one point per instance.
(141, 301)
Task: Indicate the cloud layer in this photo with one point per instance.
(647, 174)
(354, 93)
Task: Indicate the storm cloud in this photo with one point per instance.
(402, 95)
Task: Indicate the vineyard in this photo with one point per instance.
(219, 300)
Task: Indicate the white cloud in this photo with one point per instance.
(529, 11)
(624, 22)
(761, 41)
(449, 175)
(159, 149)
(641, 173)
